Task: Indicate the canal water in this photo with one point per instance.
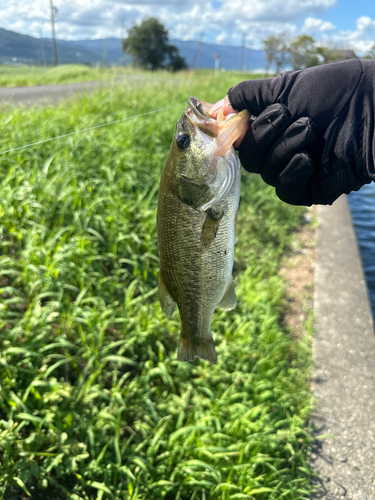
(362, 206)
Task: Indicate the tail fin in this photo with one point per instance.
(202, 348)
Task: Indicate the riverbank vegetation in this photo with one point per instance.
(93, 403)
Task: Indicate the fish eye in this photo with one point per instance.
(183, 141)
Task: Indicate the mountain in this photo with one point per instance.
(17, 48)
(199, 54)
(103, 49)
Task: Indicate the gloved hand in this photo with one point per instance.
(313, 138)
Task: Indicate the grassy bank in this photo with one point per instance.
(24, 76)
(93, 404)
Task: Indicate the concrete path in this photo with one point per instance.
(54, 94)
(344, 357)
(29, 96)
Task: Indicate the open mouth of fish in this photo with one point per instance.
(200, 108)
(226, 129)
(198, 113)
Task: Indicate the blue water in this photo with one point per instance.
(362, 206)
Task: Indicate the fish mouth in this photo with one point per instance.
(200, 108)
(225, 131)
(198, 113)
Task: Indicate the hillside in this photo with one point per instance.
(17, 48)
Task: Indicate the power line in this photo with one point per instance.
(90, 128)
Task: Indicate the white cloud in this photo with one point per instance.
(262, 30)
(365, 23)
(312, 24)
(225, 23)
(94, 18)
(276, 10)
(360, 40)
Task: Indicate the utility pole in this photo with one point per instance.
(248, 57)
(122, 42)
(53, 12)
(43, 59)
(242, 52)
(200, 51)
(197, 57)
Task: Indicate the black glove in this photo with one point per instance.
(313, 138)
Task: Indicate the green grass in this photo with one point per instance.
(24, 76)
(93, 403)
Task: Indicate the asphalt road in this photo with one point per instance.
(44, 94)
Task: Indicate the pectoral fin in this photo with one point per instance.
(229, 301)
(210, 227)
(167, 304)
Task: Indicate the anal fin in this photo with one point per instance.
(168, 305)
(229, 300)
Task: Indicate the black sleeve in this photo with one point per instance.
(315, 136)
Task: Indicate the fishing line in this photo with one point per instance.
(91, 128)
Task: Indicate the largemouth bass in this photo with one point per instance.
(197, 210)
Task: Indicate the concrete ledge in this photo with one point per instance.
(344, 359)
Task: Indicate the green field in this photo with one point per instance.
(93, 403)
(25, 76)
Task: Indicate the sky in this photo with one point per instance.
(334, 23)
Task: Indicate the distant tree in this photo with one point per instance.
(176, 61)
(303, 52)
(333, 54)
(148, 44)
(371, 53)
(275, 48)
